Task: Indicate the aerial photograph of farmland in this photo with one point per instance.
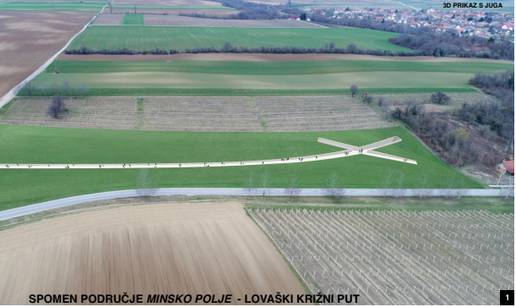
(257, 152)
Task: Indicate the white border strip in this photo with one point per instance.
(289, 192)
(14, 91)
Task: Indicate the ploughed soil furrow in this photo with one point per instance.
(146, 248)
(28, 39)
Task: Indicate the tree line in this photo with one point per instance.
(229, 48)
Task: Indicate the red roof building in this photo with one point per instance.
(509, 166)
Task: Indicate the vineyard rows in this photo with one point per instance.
(397, 257)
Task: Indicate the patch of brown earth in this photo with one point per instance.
(28, 39)
(190, 247)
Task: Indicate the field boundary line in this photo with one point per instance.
(7, 97)
(284, 192)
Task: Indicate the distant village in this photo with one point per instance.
(485, 24)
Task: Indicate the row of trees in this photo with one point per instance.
(229, 48)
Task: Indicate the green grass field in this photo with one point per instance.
(22, 144)
(133, 19)
(180, 38)
(187, 77)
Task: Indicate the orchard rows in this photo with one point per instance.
(397, 257)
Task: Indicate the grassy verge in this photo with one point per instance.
(22, 144)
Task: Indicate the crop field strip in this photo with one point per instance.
(180, 38)
(97, 5)
(200, 113)
(227, 78)
(178, 20)
(397, 257)
(133, 19)
(26, 144)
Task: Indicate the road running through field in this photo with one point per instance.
(248, 192)
(349, 150)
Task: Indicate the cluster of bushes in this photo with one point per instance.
(251, 10)
(476, 133)
(446, 44)
(499, 116)
(440, 98)
(229, 48)
(458, 143)
(426, 41)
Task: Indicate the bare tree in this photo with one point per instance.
(354, 90)
(110, 4)
(57, 107)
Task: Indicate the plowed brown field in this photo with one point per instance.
(28, 39)
(194, 247)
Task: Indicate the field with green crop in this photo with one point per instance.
(24, 144)
(189, 77)
(133, 19)
(180, 38)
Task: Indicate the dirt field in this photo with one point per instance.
(187, 10)
(177, 20)
(167, 2)
(201, 113)
(28, 39)
(194, 247)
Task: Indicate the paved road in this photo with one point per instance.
(75, 200)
